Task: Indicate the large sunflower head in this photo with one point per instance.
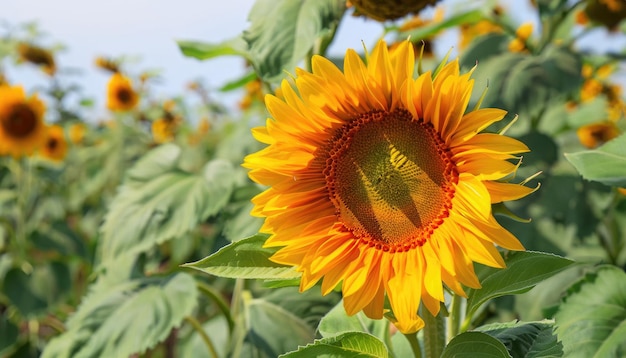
(22, 129)
(121, 96)
(55, 147)
(382, 182)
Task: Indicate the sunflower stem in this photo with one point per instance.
(454, 325)
(217, 298)
(205, 338)
(415, 344)
(434, 334)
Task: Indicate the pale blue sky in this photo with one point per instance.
(148, 29)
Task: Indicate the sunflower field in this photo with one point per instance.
(455, 188)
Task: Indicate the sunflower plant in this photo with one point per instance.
(412, 196)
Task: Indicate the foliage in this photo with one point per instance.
(140, 241)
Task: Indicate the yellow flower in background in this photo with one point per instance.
(120, 93)
(595, 134)
(382, 183)
(107, 64)
(383, 10)
(424, 46)
(254, 93)
(37, 56)
(468, 32)
(55, 146)
(77, 132)
(22, 129)
(597, 83)
(164, 129)
(522, 34)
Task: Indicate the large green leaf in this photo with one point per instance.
(245, 258)
(204, 51)
(158, 202)
(283, 32)
(337, 322)
(274, 330)
(606, 164)
(524, 269)
(591, 322)
(158, 161)
(126, 319)
(526, 339)
(345, 345)
(475, 344)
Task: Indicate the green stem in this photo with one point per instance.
(22, 172)
(415, 344)
(216, 297)
(454, 324)
(434, 334)
(207, 341)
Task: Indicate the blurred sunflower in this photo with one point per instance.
(38, 56)
(164, 129)
(382, 182)
(522, 34)
(77, 132)
(470, 31)
(383, 10)
(608, 13)
(22, 129)
(595, 134)
(120, 93)
(597, 83)
(55, 147)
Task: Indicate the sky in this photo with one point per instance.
(147, 30)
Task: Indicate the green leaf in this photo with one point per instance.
(163, 205)
(524, 270)
(606, 164)
(591, 322)
(34, 293)
(273, 329)
(345, 345)
(9, 335)
(158, 161)
(283, 32)
(475, 344)
(526, 339)
(337, 322)
(434, 28)
(527, 85)
(238, 83)
(204, 51)
(245, 258)
(126, 319)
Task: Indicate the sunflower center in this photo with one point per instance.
(20, 122)
(390, 177)
(53, 143)
(124, 95)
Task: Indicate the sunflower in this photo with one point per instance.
(55, 147)
(120, 93)
(38, 56)
(22, 129)
(381, 182)
(383, 10)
